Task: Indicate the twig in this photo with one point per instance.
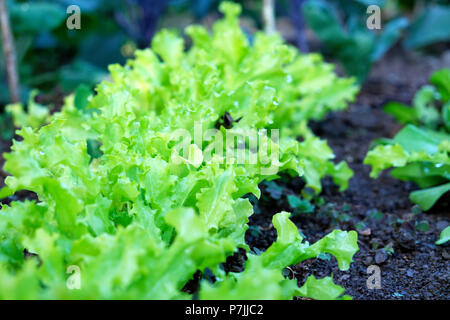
(269, 16)
(9, 53)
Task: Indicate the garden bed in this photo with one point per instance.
(381, 209)
(412, 266)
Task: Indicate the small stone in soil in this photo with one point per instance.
(381, 256)
(365, 232)
(441, 225)
(368, 261)
(344, 277)
(406, 239)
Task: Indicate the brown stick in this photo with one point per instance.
(9, 53)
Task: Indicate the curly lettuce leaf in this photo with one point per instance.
(35, 116)
(118, 197)
(262, 276)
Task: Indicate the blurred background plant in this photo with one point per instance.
(341, 27)
(56, 60)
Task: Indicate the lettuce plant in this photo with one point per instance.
(138, 219)
(431, 104)
(341, 26)
(420, 151)
(445, 236)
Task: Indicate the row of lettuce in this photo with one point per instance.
(117, 200)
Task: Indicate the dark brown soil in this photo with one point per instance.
(412, 266)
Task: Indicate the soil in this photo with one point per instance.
(389, 225)
(393, 233)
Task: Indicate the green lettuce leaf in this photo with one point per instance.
(445, 236)
(263, 278)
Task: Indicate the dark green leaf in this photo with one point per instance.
(431, 27)
(80, 72)
(82, 94)
(441, 79)
(392, 31)
(301, 205)
(401, 112)
(36, 17)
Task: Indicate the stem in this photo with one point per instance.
(269, 16)
(9, 53)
